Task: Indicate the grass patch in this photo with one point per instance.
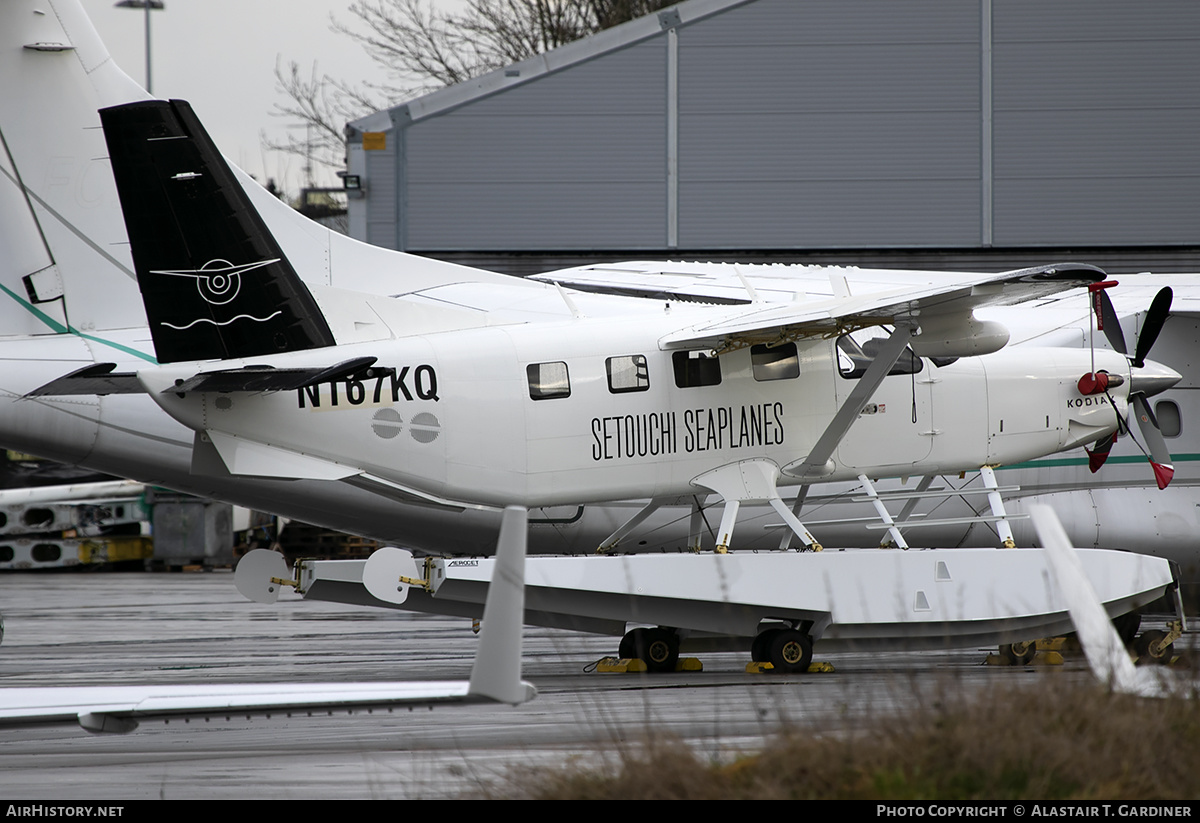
(1049, 742)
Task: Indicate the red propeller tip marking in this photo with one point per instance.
(1162, 474)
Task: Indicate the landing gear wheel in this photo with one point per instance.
(1019, 654)
(661, 651)
(790, 651)
(657, 648)
(629, 645)
(760, 646)
(1144, 647)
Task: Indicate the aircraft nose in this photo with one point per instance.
(1152, 378)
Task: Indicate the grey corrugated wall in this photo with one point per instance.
(809, 124)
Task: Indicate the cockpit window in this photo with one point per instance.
(628, 373)
(548, 380)
(857, 350)
(775, 362)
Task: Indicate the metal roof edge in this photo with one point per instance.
(515, 74)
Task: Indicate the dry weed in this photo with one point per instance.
(1050, 742)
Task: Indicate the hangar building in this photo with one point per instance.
(950, 133)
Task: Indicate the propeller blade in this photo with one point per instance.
(1160, 456)
(1111, 325)
(1160, 309)
(1098, 454)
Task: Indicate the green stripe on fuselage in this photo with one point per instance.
(1060, 462)
(59, 328)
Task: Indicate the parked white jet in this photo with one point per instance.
(414, 436)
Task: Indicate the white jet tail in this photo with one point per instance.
(497, 671)
(1106, 653)
(60, 222)
(66, 266)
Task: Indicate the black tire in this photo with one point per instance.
(659, 650)
(790, 651)
(1019, 654)
(1145, 654)
(760, 647)
(628, 650)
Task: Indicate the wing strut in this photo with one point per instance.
(757, 480)
(896, 539)
(816, 465)
(745, 482)
(910, 506)
(629, 525)
(785, 542)
(997, 505)
(696, 526)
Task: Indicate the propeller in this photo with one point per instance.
(1144, 381)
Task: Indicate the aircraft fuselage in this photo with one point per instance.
(552, 415)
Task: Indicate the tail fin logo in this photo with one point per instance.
(183, 206)
(218, 281)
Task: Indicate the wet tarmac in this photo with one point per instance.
(130, 628)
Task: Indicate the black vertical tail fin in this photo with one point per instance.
(215, 283)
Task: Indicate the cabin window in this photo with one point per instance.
(696, 368)
(775, 362)
(548, 380)
(629, 373)
(857, 350)
(1170, 421)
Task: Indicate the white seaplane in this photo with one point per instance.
(356, 387)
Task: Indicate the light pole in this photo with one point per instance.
(148, 5)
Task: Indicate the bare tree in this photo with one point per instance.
(421, 49)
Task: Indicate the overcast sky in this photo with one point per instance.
(220, 55)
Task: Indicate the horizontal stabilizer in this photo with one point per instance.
(98, 378)
(265, 378)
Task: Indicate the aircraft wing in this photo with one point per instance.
(774, 322)
(119, 708)
(495, 675)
